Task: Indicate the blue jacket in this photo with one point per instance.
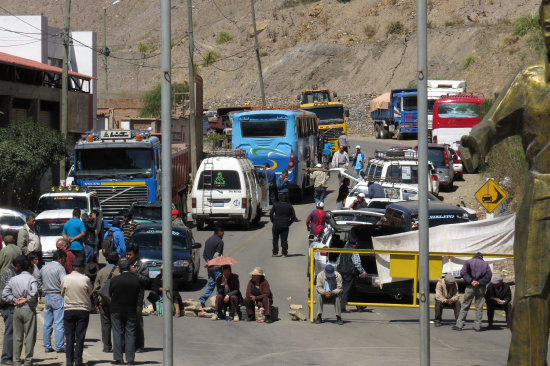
(118, 239)
(282, 186)
(270, 177)
(327, 148)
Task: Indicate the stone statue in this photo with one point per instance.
(524, 110)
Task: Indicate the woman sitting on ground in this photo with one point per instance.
(156, 295)
(259, 294)
(229, 294)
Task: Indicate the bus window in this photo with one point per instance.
(263, 128)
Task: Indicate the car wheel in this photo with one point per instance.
(200, 225)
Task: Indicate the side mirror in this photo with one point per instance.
(346, 112)
(299, 97)
(334, 95)
(196, 246)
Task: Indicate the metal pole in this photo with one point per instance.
(257, 52)
(423, 233)
(166, 157)
(105, 47)
(65, 82)
(192, 119)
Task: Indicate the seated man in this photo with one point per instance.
(259, 294)
(498, 296)
(229, 294)
(329, 288)
(446, 296)
(156, 295)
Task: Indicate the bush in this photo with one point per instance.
(152, 100)
(223, 37)
(468, 61)
(528, 25)
(209, 57)
(144, 47)
(369, 30)
(396, 28)
(449, 23)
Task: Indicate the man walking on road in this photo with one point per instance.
(105, 273)
(316, 220)
(7, 308)
(124, 291)
(282, 215)
(320, 178)
(142, 273)
(446, 296)
(476, 274)
(75, 232)
(22, 292)
(213, 247)
(328, 286)
(76, 290)
(282, 185)
(50, 279)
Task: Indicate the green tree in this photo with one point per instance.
(27, 149)
(151, 100)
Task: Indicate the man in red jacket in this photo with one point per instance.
(316, 220)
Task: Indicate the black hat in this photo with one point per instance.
(78, 262)
(123, 264)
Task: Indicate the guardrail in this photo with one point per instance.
(401, 257)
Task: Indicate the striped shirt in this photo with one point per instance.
(128, 228)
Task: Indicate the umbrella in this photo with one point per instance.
(221, 261)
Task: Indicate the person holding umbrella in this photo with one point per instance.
(213, 248)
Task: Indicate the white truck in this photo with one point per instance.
(437, 88)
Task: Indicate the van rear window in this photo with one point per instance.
(219, 179)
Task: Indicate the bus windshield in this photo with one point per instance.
(328, 115)
(62, 203)
(114, 161)
(459, 110)
(263, 128)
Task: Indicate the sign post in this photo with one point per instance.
(490, 195)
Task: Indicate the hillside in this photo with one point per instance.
(355, 48)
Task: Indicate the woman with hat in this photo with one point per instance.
(258, 293)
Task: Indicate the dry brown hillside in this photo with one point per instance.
(347, 47)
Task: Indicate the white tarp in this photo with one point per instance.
(494, 236)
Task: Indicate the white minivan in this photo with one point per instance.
(228, 189)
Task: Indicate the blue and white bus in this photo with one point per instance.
(286, 139)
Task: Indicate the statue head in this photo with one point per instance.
(544, 13)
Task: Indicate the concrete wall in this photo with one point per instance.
(85, 62)
(25, 36)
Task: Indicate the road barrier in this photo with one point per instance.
(403, 264)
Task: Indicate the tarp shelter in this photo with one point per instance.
(494, 236)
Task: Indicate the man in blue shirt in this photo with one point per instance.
(118, 237)
(359, 159)
(327, 152)
(282, 185)
(75, 232)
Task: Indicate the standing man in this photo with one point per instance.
(90, 223)
(343, 142)
(359, 202)
(50, 279)
(213, 247)
(316, 220)
(359, 159)
(8, 253)
(446, 296)
(142, 273)
(75, 232)
(282, 185)
(327, 152)
(498, 296)
(76, 289)
(328, 285)
(22, 292)
(124, 291)
(63, 244)
(7, 308)
(340, 159)
(176, 219)
(118, 237)
(27, 238)
(129, 225)
(476, 274)
(271, 180)
(282, 215)
(320, 178)
(349, 266)
(104, 274)
(376, 191)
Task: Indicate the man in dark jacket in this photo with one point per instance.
(282, 215)
(498, 296)
(90, 223)
(476, 274)
(229, 294)
(105, 273)
(142, 273)
(213, 247)
(124, 291)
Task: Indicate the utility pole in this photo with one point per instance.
(192, 119)
(257, 52)
(105, 47)
(166, 184)
(65, 83)
(423, 233)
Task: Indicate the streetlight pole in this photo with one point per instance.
(65, 82)
(192, 119)
(106, 83)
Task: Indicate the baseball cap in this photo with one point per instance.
(175, 212)
(497, 279)
(361, 195)
(329, 271)
(357, 146)
(320, 205)
(319, 166)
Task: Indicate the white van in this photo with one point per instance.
(228, 189)
(49, 225)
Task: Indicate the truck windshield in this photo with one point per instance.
(62, 202)
(409, 103)
(263, 128)
(459, 110)
(114, 161)
(316, 97)
(328, 115)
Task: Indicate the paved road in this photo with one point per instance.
(381, 336)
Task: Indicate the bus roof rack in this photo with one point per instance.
(463, 95)
(237, 153)
(396, 155)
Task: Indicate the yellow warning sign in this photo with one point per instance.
(490, 195)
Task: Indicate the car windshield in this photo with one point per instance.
(263, 128)
(62, 202)
(147, 212)
(152, 238)
(114, 161)
(50, 227)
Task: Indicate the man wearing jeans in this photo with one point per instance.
(76, 289)
(476, 274)
(50, 280)
(213, 247)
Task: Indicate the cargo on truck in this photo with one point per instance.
(395, 114)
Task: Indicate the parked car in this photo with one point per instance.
(49, 225)
(185, 252)
(458, 167)
(12, 220)
(440, 157)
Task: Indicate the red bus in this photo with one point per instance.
(454, 115)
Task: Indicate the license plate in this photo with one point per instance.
(456, 274)
(153, 272)
(218, 204)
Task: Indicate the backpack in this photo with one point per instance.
(108, 244)
(104, 290)
(345, 264)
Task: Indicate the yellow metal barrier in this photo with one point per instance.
(403, 264)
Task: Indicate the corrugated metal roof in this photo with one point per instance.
(35, 65)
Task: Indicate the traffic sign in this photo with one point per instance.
(490, 195)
